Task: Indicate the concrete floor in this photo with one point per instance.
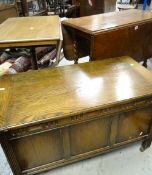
(125, 161)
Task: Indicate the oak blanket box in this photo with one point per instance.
(53, 117)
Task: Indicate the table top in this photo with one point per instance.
(103, 22)
(55, 93)
(29, 31)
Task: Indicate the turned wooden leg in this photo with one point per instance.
(24, 7)
(76, 61)
(58, 52)
(145, 63)
(75, 46)
(147, 142)
(76, 52)
(34, 59)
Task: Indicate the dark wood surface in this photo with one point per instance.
(87, 8)
(8, 11)
(111, 35)
(92, 7)
(107, 21)
(57, 116)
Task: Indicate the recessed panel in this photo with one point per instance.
(134, 124)
(40, 149)
(89, 136)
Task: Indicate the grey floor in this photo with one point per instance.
(126, 161)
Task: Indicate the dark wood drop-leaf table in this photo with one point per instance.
(109, 35)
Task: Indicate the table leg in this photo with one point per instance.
(75, 45)
(58, 51)
(34, 59)
(24, 8)
(147, 142)
(145, 63)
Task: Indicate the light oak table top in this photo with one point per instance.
(55, 93)
(107, 21)
(30, 31)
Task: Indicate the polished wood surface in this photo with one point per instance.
(53, 117)
(39, 95)
(107, 21)
(109, 35)
(28, 31)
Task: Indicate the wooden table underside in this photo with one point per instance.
(33, 51)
